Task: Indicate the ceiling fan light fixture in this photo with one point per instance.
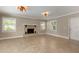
(22, 8)
(45, 13)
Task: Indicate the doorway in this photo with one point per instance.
(74, 28)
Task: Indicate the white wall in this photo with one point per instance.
(20, 22)
(62, 27)
(0, 24)
(67, 27)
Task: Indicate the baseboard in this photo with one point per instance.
(10, 37)
(41, 33)
(34, 34)
(75, 39)
(58, 36)
(20, 36)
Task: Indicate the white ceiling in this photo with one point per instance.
(34, 12)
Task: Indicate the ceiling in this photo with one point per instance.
(34, 12)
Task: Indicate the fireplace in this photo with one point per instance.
(29, 31)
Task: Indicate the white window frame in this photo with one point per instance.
(8, 18)
(42, 25)
(54, 25)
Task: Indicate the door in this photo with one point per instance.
(74, 28)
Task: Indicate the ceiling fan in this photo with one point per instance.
(45, 13)
(22, 8)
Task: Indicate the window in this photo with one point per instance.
(42, 24)
(54, 25)
(9, 25)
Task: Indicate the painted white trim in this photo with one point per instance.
(75, 39)
(71, 13)
(58, 36)
(42, 33)
(20, 36)
(10, 37)
(34, 34)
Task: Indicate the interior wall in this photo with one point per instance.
(0, 24)
(67, 26)
(62, 27)
(20, 22)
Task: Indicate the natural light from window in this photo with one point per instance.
(9, 24)
(42, 25)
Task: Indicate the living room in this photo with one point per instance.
(39, 28)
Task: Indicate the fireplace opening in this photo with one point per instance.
(29, 31)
